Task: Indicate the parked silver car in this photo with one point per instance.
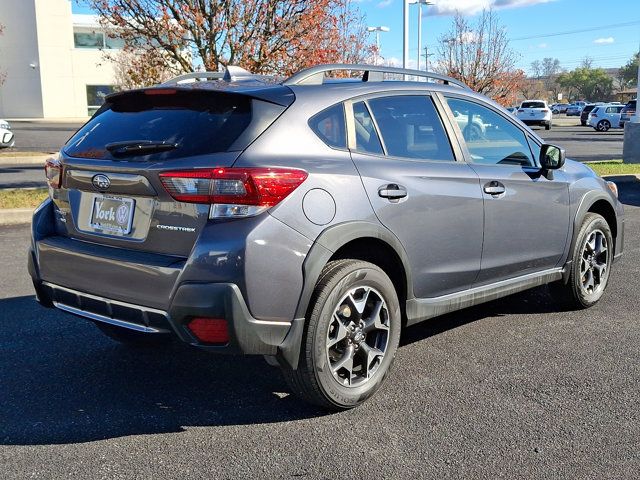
(310, 221)
(7, 138)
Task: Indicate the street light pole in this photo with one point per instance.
(378, 29)
(419, 32)
(405, 33)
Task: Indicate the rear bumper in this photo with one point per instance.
(247, 334)
(158, 293)
(540, 121)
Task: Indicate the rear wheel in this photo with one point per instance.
(547, 126)
(590, 266)
(603, 126)
(351, 336)
(131, 337)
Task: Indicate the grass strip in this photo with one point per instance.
(22, 197)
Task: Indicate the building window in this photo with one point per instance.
(96, 95)
(88, 39)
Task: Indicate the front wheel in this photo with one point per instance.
(350, 338)
(590, 267)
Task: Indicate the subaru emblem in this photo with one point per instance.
(101, 182)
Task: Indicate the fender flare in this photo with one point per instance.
(326, 244)
(587, 201)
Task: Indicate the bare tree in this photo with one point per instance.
(536, 69)
(479, 55)
(263, 36)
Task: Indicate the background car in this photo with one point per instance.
(557, 108)
(628, 111)
(7, 139)
(584, 115)
(535, 112)
(603, 117)
(575, 109)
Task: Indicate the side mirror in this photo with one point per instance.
(551, 157)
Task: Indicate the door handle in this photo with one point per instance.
(392, 191)
(494, 188)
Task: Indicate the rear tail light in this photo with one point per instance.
(233, 192)
(544, 110)
(594, 115)
(210, 330)
(53, 172)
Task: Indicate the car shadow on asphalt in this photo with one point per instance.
(629, 191)
(62, 381)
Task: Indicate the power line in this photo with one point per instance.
(582, 30)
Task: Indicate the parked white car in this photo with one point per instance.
(7, 138)
(535, 112)
(603, 117)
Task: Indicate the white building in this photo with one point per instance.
(53, 60)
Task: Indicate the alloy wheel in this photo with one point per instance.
(594, 264)
(358, 336)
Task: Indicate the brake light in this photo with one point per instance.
(233, 192)
(210, 330)
(594, 115)
(53, 172)
(544, 110)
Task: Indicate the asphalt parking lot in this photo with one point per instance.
(511, 389)
(584, 143)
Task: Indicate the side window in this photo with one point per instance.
(490, 138)
(411, 128)
(330, 126)
(367, 140)
(610, 110)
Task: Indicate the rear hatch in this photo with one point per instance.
(111, 189)
(532, 111)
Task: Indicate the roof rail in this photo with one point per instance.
(230, 74)
(372, 73)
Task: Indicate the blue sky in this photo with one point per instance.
(607, 45)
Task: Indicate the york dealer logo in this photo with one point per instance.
(119, 215)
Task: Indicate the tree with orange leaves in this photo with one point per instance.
(263, 36)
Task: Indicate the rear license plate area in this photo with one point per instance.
(112, 215)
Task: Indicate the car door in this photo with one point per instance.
(526, 214)
(419, 190)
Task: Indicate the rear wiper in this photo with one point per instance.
(140, 147)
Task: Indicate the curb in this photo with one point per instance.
(16, 216)
(25, 160)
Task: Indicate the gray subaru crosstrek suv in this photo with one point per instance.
(311, 220)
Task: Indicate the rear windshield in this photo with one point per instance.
(631, 105)
(193, 122)
(533, 105)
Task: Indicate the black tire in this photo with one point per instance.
(132, 338)
(316, 379)
(603, 126)
(573, 295)
(547, 126)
